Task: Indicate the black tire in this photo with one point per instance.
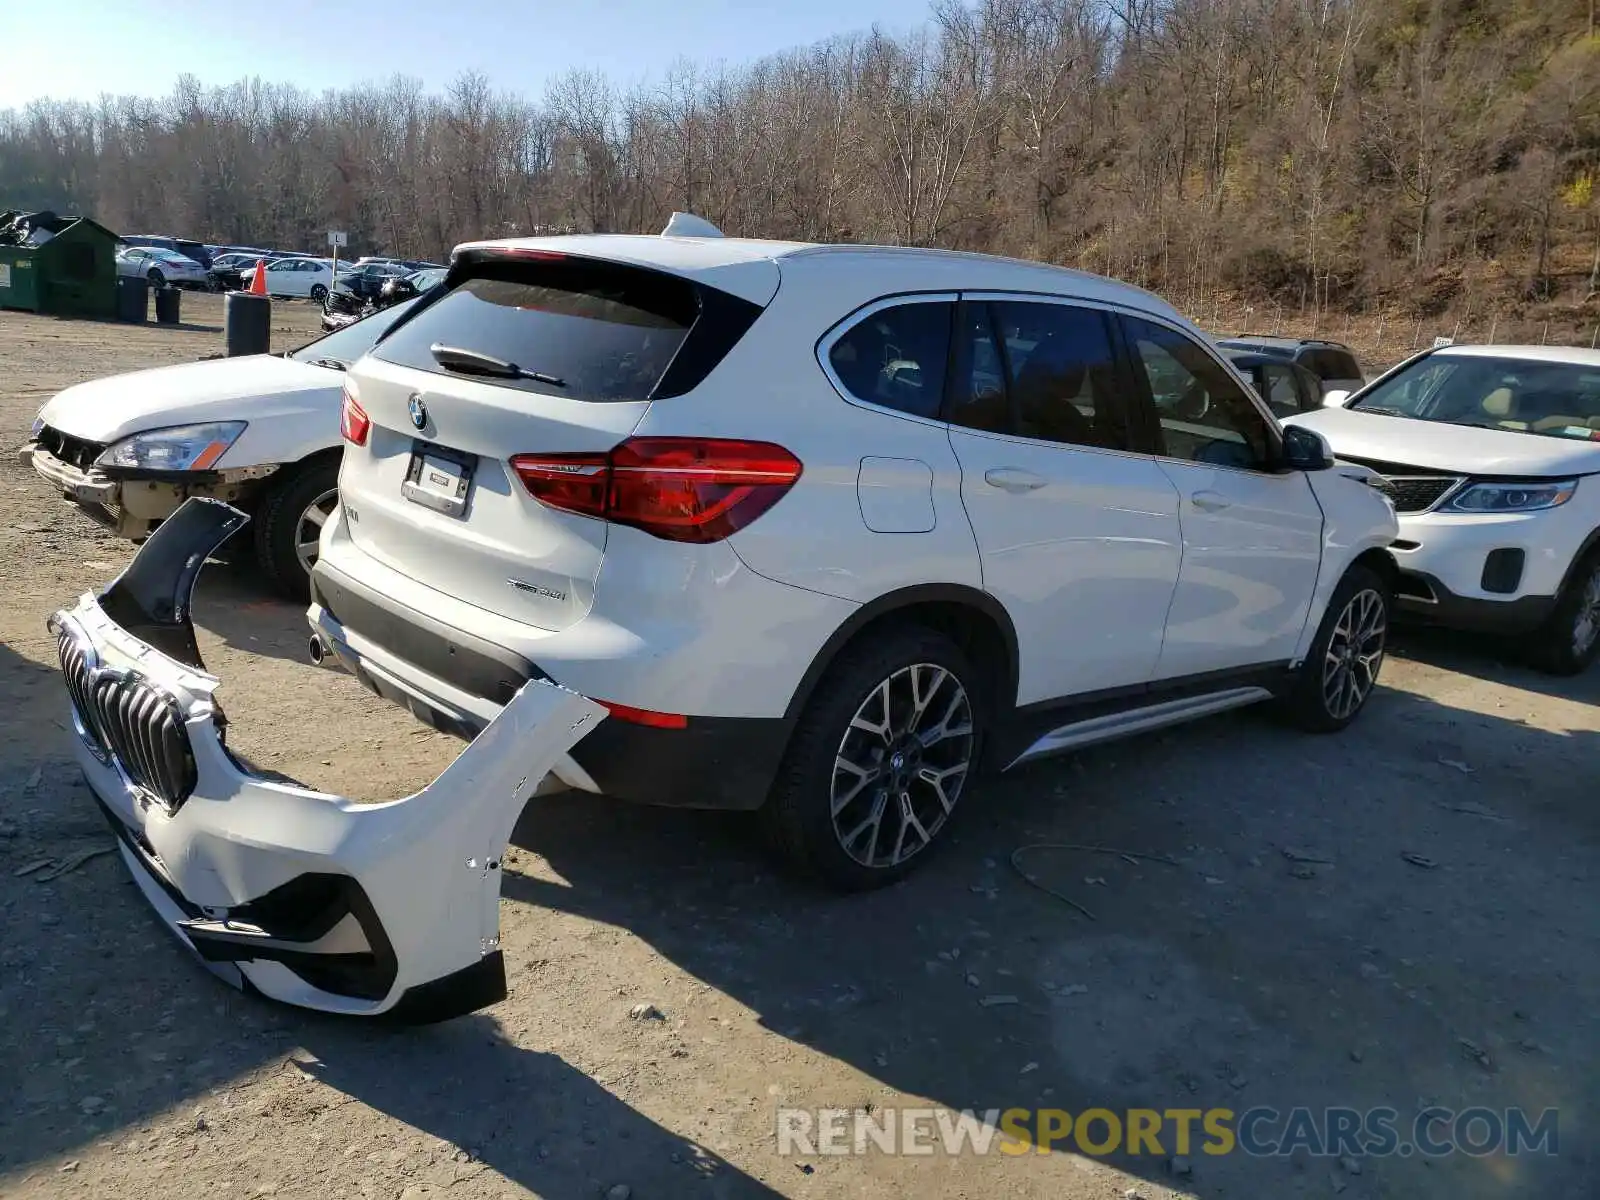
(157, 279)
(1569, 639)
(319, 294)
(1309, 703)
(799, 811)
(278, 524)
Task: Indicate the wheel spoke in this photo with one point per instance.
(935, 778)
(874, 820)
(306, 549)
(863, 776)
(315, 516)
(909, 818)
(944, 730)
(882, 727)
(922, 696)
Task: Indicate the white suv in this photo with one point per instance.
(1492, 455)
(827, 528)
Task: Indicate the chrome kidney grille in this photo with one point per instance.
(129, 722)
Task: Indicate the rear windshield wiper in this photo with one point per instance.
(471, 362)
(336, 364)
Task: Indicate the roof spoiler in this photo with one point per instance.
(685, 224)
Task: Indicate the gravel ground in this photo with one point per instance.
(1234, 976)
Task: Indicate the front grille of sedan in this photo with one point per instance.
(1413, 489)
(79, 452)
(131, 723)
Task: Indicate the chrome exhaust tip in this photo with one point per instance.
(317, 651)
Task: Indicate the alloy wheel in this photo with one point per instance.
(1586, 622)
(901, 765)
(1355, 652)
(308, 529)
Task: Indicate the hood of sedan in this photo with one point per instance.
(225, 389)
(1456, 449)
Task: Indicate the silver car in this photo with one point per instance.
(161, 267)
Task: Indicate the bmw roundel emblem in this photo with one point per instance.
(419, 412)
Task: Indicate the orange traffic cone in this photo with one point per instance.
(258, 281)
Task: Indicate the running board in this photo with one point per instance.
(1138, 720)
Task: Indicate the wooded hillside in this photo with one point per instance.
(1414, 156)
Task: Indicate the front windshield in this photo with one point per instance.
(344, 346)
(1521, 395)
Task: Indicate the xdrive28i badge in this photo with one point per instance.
(419, 411)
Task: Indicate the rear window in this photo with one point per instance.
(1331, 364)
(607, 332)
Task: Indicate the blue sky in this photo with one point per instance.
(142, 46)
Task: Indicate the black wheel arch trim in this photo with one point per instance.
(1590, 545)
(907, 598)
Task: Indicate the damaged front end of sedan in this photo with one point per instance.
(387, 909)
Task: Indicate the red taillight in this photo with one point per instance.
(680, 489)
(645, 716)
(354, 424)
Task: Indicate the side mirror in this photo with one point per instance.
(1306, 449)
(1336, 397)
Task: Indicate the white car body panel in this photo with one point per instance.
(292, 407)
(1252, 547)
(668, 639)
(1460, 449)
(427, 866)
(1099, 535)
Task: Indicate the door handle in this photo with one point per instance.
(1013, 479)
(1209, 501)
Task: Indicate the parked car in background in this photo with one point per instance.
(161, 267)
(188, 248)
(259, 431)
(1334, 363)
(1492, 456)
(985, 511)
(311, 278)
(345, 304)
(1286, 386)
(227, 270)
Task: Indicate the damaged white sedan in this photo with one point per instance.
(315, 900)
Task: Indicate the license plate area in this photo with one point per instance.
(439, 478)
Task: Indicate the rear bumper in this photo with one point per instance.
(457, 682)
(315, 900)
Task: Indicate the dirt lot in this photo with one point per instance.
(1233, 977)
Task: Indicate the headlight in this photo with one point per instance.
(1513, 497)
(38, 424)
(180, 448)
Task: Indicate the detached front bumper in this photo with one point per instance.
(308, 898)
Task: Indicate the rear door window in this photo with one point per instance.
(605, 331)
(1278, 388)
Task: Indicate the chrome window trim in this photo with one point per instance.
(826, 343)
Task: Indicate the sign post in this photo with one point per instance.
(336, 239)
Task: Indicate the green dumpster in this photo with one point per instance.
(71, 274)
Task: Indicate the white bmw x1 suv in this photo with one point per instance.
(825, 529)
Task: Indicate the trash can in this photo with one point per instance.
(61, 265)
(167, 305)
(246, 324)
(133, 299)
